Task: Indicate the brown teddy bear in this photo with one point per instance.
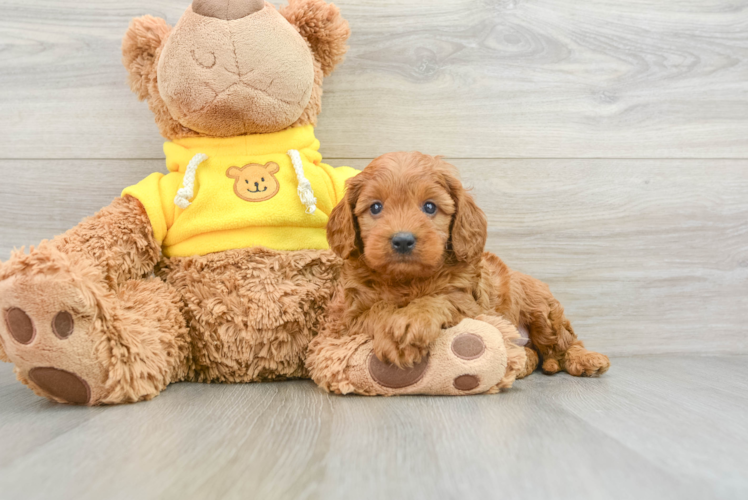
(218, 271)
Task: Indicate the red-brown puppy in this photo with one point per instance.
(412, 240)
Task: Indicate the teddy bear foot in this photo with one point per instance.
(45, 332)
(75, 340)
(470, 358)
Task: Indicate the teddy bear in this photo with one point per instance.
(219, 270)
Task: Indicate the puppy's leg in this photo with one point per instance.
(529, 301)
(552, 334)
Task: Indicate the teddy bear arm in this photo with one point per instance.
(118, 240)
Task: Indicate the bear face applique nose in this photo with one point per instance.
(403, 243)
(228, 10)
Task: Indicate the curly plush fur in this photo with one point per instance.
(404, 300)
(252, 312)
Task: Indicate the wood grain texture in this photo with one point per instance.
(652, 428)
(647, 256)
(464, 78)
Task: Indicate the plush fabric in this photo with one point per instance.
(219, 217)
(252, 312)
(228, 10)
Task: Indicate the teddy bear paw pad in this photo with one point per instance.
(392, 377)
(62, 385)
(468, 346)
(19, 325)
(46, 330)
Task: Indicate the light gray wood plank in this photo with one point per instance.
(535, 78)
(640, 431)
(704, 415)
(647, 256)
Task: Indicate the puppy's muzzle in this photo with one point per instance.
(403, 243)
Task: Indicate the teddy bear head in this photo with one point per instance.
(235, 67)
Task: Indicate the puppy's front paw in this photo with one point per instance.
(405, 341)
(387, 349)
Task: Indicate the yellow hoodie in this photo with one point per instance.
(269, 190)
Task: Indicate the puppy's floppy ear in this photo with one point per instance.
(342, 228)
(322, 25)
(469, 226)
(140, 48)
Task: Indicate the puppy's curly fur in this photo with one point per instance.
(404, 297)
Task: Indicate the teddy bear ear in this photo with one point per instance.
(322, 25)
(234, 173)
(272, 168)
(140, 46)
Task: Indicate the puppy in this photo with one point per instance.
(412, 241)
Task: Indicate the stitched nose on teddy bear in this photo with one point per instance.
(228, 10)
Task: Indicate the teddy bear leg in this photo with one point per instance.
(81, 322)
(74, 340)
(474, 357)
(253, 311)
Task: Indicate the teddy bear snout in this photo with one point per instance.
(228, 10)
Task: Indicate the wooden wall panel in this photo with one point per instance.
(463, 78)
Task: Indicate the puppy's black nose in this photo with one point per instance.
(403, 242)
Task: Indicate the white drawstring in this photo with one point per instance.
(305, 192)
(185, 194)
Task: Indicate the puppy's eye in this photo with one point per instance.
(263, 179)
(245, 180)
(429, 207)
(376, 208)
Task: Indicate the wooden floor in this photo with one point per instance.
(654, 427)
(607, 142)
